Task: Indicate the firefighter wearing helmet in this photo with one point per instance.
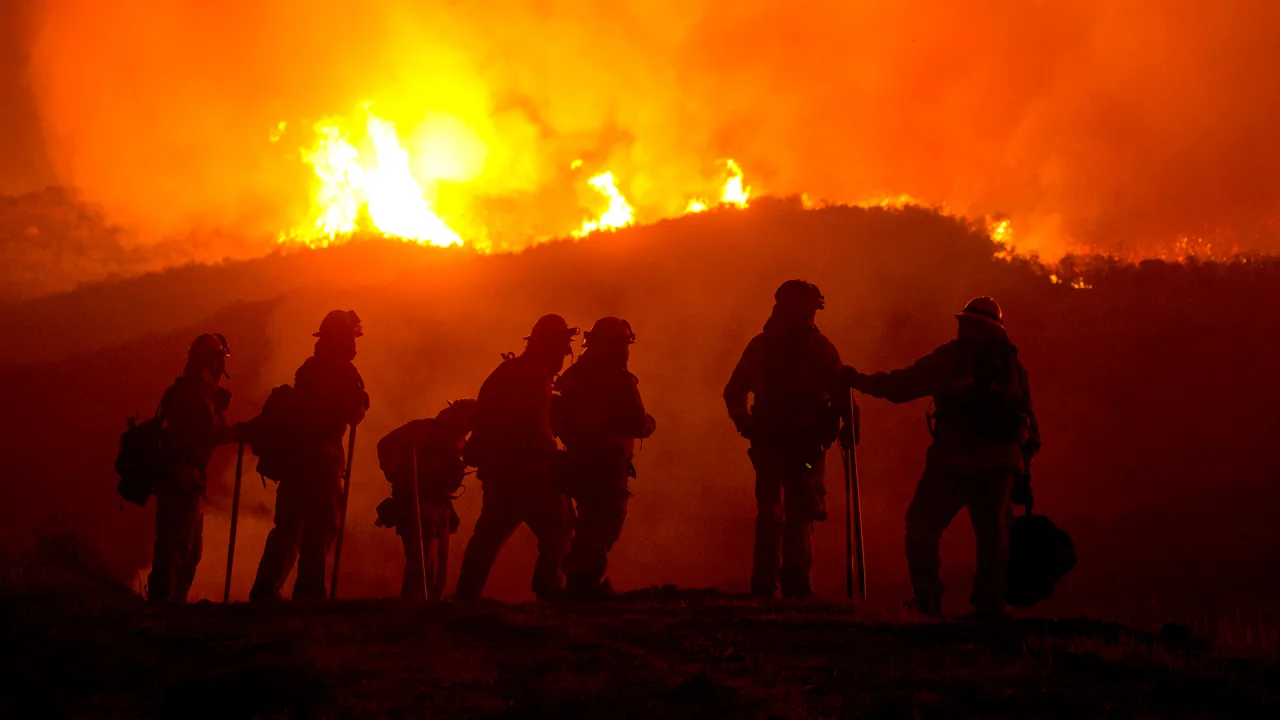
(599, 415)
(328, 396)
(517, 461)
(984, 435)
(791, 371)
(194, 410)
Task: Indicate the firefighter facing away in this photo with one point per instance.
(983, 440)
(434, 447)
(517, 460)
(792, 372)
(328, 396)
(599, 415)
(193, 409)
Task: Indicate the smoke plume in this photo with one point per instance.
(1115, 125)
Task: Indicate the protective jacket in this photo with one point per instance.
(792, 372)
(599, 407)
(194, 425)
(513, 426)
(982, 396)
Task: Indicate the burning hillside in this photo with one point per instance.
(1136, 129)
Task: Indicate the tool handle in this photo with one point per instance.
(235, 520)
(342, 522)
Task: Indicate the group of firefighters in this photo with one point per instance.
(553, 449)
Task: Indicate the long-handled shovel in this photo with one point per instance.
(856, 563)
(235, 518)
(342, 523)
(417, 524)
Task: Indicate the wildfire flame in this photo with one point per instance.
(378, 183)
(619, 212)
(733, 193)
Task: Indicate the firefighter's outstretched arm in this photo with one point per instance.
(922, 378)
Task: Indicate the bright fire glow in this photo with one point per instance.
(619, 212)
(377, 183)
(734, 192)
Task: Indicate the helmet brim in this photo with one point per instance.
(355, 334)
(980, 318)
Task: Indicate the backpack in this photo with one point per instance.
(1040, 553)
(272, 435)
(141, 461)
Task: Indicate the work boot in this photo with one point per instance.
(928, 607)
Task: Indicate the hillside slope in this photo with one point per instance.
(1155, 389)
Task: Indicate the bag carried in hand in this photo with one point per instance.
(273, 433)
(1039, 555)
(141, 460)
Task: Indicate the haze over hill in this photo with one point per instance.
(1155, 391)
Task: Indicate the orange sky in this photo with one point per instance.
(1116, 123)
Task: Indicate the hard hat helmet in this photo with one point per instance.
(460, 414)
(610, 330)
(340, 322)
(550, 328)
(209, 345)
(799, 292)
(983, 309)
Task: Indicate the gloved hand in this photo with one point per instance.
(846, 435)
(848, 375)
(743, 424)
(650, 425)
(1021, 493)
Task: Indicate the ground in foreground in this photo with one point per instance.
(647, 654)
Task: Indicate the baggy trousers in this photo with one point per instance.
(179, 539)
(306, 524)
(504, 507)
(601, 512)
(790, 496)
(944, 489)
(432, 552)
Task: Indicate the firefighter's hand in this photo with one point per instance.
(1021, 494)
(849, 376)
(846, 435)
(650, 425)
(743, 424)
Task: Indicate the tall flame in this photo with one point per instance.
(619, 212)
(381, 185)
(732, 193)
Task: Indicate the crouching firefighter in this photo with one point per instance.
(984, 435)
(432, 447)
(793, 373)
(517, 460)
(598, 415)
(327, 396)
(193, 411)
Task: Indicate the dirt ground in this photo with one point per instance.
(654, 653)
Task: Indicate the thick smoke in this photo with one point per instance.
(1115, 125)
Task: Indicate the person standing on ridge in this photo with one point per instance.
(328, 396)
(792, 372)
(599, 415)
(518, 462)
(984, 436)
(194, 410)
